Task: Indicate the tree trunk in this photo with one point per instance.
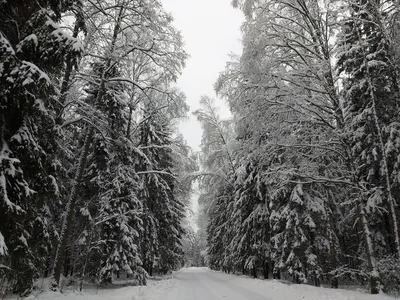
(69, 210)
(317, 281)
(374, 273)
(86, 258)
(277, 274)
(66, 79)
(266, 270)
(254, 271)
(332, 256)
(334, 282)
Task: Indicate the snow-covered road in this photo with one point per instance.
(204, 284)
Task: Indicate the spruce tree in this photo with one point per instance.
(33, 51)
(371, 93)
(164, 209)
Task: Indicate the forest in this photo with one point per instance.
(300, 184)
(91, 163)
(303, 182)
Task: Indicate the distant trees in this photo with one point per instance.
(90, 178)
(194, 248)
(309, 190)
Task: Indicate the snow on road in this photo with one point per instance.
(204, 284)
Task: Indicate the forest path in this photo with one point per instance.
(204, 284)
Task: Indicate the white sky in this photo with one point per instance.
(211, 30)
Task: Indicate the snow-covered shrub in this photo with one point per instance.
(389, 269)
(5, 280)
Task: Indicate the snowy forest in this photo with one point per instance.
(301, 183)
(92, 166)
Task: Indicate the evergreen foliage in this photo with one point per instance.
(92, 80)
(305, 185)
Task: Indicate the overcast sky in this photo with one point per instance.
(211, 30)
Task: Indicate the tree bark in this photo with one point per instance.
(66, 79)
(373, 270)
(86, 256)
(254, 271)
(69, 210)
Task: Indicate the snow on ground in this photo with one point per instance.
(153, 290)
(204, 284)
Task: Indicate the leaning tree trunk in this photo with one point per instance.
(69, 210)
(66, 78)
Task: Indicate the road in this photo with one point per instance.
(204, 284)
